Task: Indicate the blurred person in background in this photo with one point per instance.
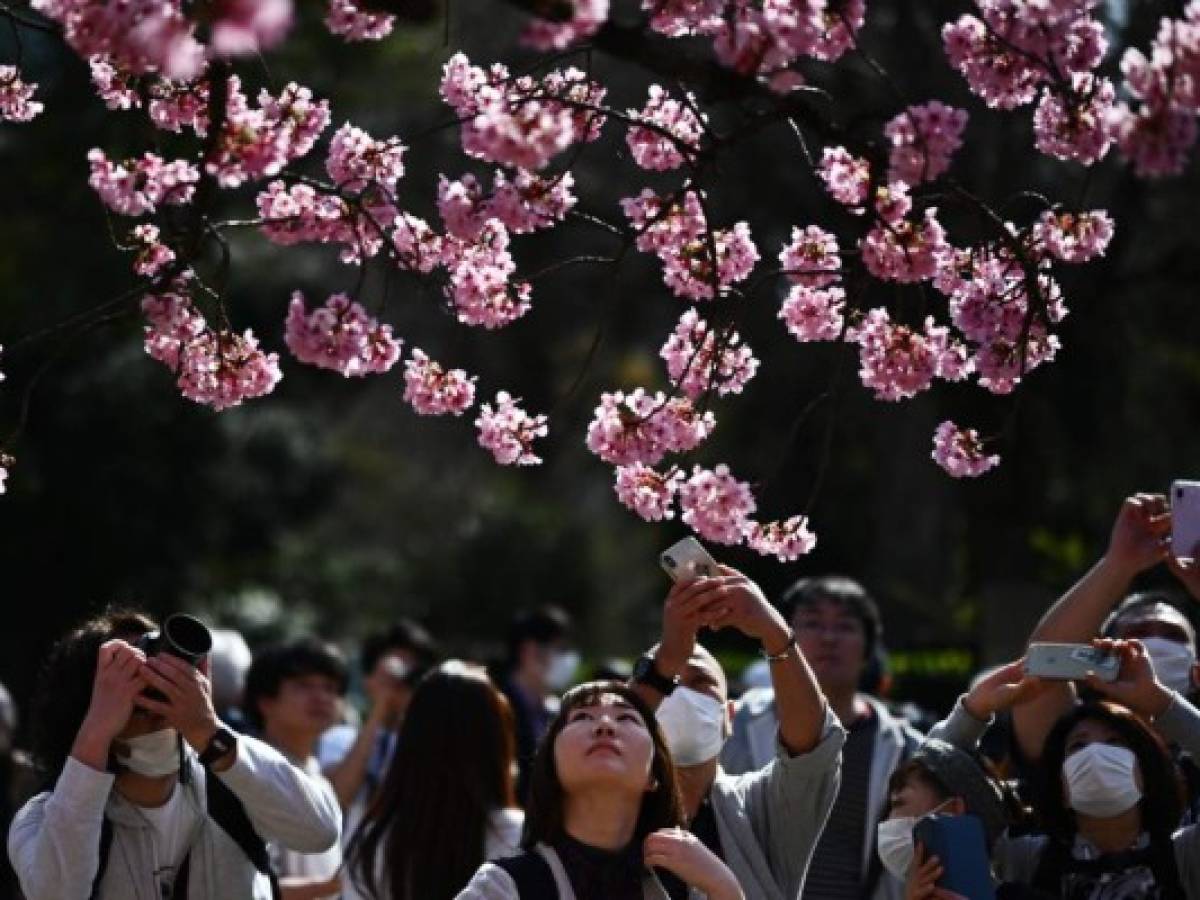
(839, 630)
(293, 695)
(539, 664)
(228, 664)
(355, 759)
(447, 802)
(604, 814)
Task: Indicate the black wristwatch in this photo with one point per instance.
(646, 672)
(219, 744)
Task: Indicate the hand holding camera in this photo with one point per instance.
(1135, 686)
(187, 698)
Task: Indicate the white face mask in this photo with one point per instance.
(561, 670)
(1100, 780)
(894, 839)
(154, 754)
(693, 725)
(1172, 663)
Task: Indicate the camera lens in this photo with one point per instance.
(670, 560)
(187, 637)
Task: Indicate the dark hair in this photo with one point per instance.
(64, 689)
(661, 807)
(1136, 605)
(543, 625)
(276, 664)
(452, 768)
(403, 634)
(845, 592)
(1162, 797)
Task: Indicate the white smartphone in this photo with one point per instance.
(1071, 662)
(688, 559)
(1185, 518)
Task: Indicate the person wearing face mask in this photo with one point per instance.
(764, 823)
(539, 665)
(151, 796)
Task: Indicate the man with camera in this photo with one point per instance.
(152, 796)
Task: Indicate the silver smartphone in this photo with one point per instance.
(688, 559)
(1185, 518)
(1071, 662)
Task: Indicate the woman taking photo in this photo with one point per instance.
(447, 802)
(604, 814)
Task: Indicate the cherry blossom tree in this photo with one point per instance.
(924, 279)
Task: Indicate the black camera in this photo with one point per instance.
(183, 636)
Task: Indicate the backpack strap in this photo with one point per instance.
(106, 839)
(531, 874)
(227, 810)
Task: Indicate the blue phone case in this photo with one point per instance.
(959, 843)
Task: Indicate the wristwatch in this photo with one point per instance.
(646, 672)
(219, 744)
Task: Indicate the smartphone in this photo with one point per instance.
(1185, 518)
(961, 847)
(688, 559)
(1071, 662)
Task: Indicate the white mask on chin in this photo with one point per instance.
(153, 755)
(693, 725)
(1172, 663)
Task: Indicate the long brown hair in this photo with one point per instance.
(661, 807)
(453, 767)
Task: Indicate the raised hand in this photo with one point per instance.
(188, 706)
(684, 855)
(115, 688)
(1135, 687)
(1003, 689)
(1141, 534)
(734, 601)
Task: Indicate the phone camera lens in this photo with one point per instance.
(670, 560)
(1178, 493)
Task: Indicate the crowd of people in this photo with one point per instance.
(234, 775)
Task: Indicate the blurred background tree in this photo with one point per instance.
(328, 506)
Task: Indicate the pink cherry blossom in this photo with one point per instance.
(1076, 127)
(811, 259)
(584, 19)
(648, 492)
(526, 202)
(786, 540)
(689, 272)
(339, 335)
(139, 186)
(300, 213)
(463, 206)
(433, 391)
(995, 68)
(814, 314)
(118, 89)
(176, 105)
(419, 248)
(16, 97)
(244, 27)
(846, 177)
(152, 255)
(1156, 139)
(664, 229)
(924, 138)
(509, 432)
(676, 135)
(1074, 237)
(481, 286)
(694, 362)
(716, 505)
(642, 427)
(357, 160)
(898, 362)
(906, 251)
(960, 452)
(349, 20)
(683, 18)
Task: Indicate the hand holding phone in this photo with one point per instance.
(1071, 662)
(1185, 518)
(961, 847)
(688, 559)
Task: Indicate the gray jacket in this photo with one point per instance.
(54, 841)
(754, 733)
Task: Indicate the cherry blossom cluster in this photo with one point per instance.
(763, 38)
(643, 427)
(811, 258)
(786, 540)
(583, 21)
(257, 142)
(1015, 49)
(648, 492)
(339, 335)
(509, 432)
(16, 97)
(356, 160)
(481, 286)
(678, 233)
(814, 314)
(1157, 132)
(523, 202)
(700, 359)
(716, 505)
(138, 186)
(898, 362)
(847, 177)
(905, 250)
(349, 20)
(924, 138)
(960, 452)
(1074, 237)
(674, 137)
(521, 121)
(217, 368)
(434, 391)
(173, 105)
(152, 255)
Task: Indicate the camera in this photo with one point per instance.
(670, 560)
(183, 636)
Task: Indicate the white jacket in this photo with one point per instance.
(54, 841)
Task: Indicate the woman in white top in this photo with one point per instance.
(447, 801)
(604, 814)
